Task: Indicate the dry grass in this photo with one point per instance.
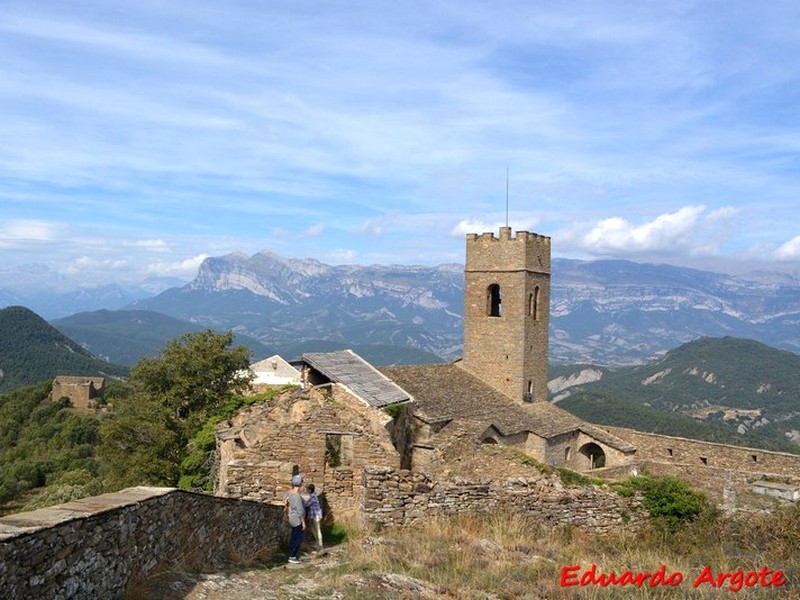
(501, 557)
(509, 556)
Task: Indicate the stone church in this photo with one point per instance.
(433, 419)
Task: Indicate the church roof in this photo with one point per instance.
(347, 368)
(449, 392)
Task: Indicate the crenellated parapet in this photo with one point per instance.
(506, 252)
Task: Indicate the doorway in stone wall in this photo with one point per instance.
(594, 457)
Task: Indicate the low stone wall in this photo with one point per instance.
(98, 547)
(393, 497)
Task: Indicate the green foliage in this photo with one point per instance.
(70, 485)
(32, 351)
(670, 500)
(139, 445)
(194, 376)
(41, 441)
(394, 410)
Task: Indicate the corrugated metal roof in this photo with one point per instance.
(362, 379)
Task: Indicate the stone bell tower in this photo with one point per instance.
(507, 312)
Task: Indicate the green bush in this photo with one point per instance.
(670, 500)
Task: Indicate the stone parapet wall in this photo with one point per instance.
(98, 547)
(674, 450)
(392, 498)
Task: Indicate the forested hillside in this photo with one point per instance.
(125, 336)
(32, 351)
(44, 443)
(728, 390)
(158, 428)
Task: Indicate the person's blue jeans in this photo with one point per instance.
(295, 540)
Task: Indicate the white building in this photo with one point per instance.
(274, 371)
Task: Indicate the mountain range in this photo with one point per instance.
(612, 313)
(603, 312)
(727, 390)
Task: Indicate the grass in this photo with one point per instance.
(510, 556)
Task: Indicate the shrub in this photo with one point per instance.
(670, 500)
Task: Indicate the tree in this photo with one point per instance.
(139, 445)
(194, 375)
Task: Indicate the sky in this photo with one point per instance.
(139, 138)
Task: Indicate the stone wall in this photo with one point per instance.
(102, 546)
(393, 498)
(674, 450)
(261, 446)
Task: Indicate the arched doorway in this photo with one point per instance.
(595, 457)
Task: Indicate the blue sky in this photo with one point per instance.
(140, 137)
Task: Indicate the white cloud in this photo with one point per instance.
(474, 226)
(184, 268)
(341, 256)
(27, 230)
(615, 235)
(86, 266)
(790, 250)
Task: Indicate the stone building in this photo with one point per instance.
(329, 432)
(82, 392)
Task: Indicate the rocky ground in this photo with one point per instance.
(315, 577)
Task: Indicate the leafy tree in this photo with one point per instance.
(194, 375)
(139, 445)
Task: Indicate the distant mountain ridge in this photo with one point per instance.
(604, 312)
(284, 301)
(32, 351)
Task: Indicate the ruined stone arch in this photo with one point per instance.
(594, 457)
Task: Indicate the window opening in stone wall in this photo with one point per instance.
(669, 451)
(528, 396)
(567, 453)
(704, 460)
(333, 450)
(489, 440)
(754, 457)
(493, 300)
(533, 304)
(339, 450)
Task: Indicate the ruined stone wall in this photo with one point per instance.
(724, 473)
(290, 433)
(100, 547)
(82, 392)
(673, 450)
(402, 497)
